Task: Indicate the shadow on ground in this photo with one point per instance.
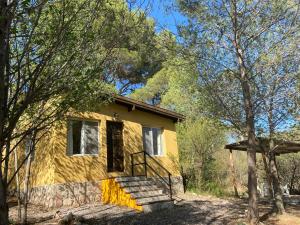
(191, 210)
(187, 212)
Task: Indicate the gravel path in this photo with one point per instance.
(190, 209)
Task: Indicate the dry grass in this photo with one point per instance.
(286, 219)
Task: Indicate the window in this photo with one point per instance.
(82, 137)
(152, 141)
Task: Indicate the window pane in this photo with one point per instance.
(147, 140)
(91, 137)
(70, 139)
(76, 136)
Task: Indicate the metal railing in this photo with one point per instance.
(146, 165)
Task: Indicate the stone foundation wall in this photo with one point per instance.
(177, 184)
(75, 194)
(66, 194)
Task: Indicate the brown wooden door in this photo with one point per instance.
(115, 154)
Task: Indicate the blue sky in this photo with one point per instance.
(164, 13)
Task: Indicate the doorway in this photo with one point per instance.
(115, 153)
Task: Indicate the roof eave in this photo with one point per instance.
(134, 104)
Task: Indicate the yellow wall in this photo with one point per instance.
(42, 166)
(66, 168)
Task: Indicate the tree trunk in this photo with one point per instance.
(234, 183)
(18, 186)
(253, 215)
(276, 185)
(267, 170)
(26, 189)
(3, 205)
(4, 40)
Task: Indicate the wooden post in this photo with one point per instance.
(236, 194)
(276, 183)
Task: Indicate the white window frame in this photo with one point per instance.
(82, 139)
(160, 148)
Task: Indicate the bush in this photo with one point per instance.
(199, 142)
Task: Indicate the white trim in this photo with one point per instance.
(81, 155)
(82, 138)
(159, 142)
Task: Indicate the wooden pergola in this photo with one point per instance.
(279, 146)
(269, 148)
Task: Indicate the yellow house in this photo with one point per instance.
(123, 153)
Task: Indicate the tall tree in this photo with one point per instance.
(54, 55)
(138, 55)
(174, 86)
(231, 40)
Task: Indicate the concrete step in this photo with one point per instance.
(145, 194)
(129, 179)
(158, 206)
(154, 199)
(141, 189)
(136, 183)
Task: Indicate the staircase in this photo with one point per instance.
(146, 193)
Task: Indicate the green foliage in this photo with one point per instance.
(74, 53)
(214, 188)
(266, 34)
(175, 86)
(136, 56)
(289, 171)
(289, 164)
(199, 142)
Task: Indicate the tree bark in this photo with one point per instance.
(276, 183)
(268, 173)
(253, 215)
(26, 189)
(18, 186)
(4, 40)
(3, 205)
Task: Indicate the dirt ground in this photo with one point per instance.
(189, 209)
